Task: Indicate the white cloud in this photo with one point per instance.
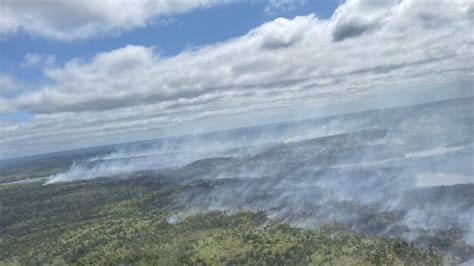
(277, 66)
(73, 20)
(9, 88)
(30, 60)
(36, 60)
(302, 55)
(276, 6)
(8, 85)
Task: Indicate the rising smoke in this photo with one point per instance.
(404, 172)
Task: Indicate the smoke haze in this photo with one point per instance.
(403, 172)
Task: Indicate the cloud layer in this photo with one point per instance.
(366, 47)
(73, 20)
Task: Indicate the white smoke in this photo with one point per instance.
(397, 172)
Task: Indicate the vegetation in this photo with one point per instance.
(123, 222)
(44, 165)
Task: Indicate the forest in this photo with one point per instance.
(134, 221)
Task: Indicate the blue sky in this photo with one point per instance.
(169, 37)
(79, 73)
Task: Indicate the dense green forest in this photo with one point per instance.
(121, 222)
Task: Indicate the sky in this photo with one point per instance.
(82, 73)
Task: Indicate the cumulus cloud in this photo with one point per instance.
(367, 47)
(31, 60)
(275, 6)
(10, 87)
(357, 17)
(35, 60)
(73, 20)
(283, 55)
